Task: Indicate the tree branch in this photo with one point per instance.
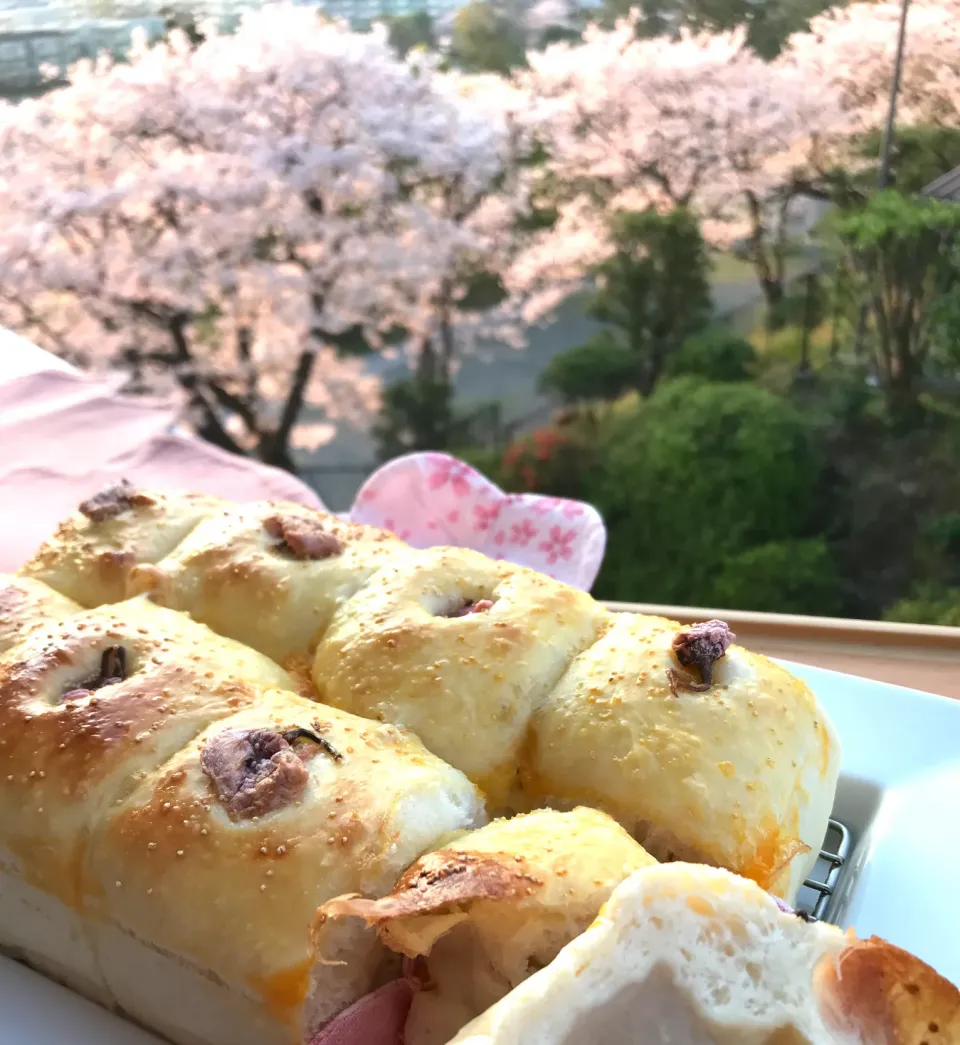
(295, 397)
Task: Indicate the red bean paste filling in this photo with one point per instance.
(302, 538)
(256, 771)
(113, 669)
(466, 608)
(114, 500)
(699, 646)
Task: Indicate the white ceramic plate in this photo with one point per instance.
(899, 795)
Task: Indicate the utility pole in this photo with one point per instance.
(886, 147)
(886, 144)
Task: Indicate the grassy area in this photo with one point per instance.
(728, 268)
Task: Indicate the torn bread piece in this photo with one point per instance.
(493, 906)
(684, 954)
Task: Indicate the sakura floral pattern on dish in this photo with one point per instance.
(431, 499)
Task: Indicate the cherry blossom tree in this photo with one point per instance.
(852, 49)
(242, 220)
(699, 121)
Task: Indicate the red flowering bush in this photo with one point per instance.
(549, 460)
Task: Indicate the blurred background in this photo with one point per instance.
(692, 261)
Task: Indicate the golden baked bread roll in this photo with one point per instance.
(90, 556)
(690, 954)
(740, 773)
(87, 705)
(495, 905)
(206, 877)
(269, 574)
(459, 649)
(528, 686)
(25, 604)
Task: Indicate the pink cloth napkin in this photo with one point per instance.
(430, 499)
(65, 434)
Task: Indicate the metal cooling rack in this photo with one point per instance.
(816, 898)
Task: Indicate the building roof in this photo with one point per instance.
(946, 187)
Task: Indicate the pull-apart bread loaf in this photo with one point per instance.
(700, 749)
(495, 905)
(171, 819)
(691, 955)
(186, 839)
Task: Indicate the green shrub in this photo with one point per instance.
(716, 354)
(416, 413)
(601, 368)
(929, 604)
(485, 459)
(697, 474)
(797, 576)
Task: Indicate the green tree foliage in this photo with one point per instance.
(601, 368)
(485, 39)
(694, 477)
(651, 294)
(654, 290)
(768, 25)
(930, 603)
(795, 576)
(411, 31)
(717, 354)
(416, 413)
(183, 19)
(919, 155)
(901, 251)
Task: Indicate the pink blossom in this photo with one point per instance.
(448, 470)
(240, 205)
(522, 533)
(484, 515)
(559, 545)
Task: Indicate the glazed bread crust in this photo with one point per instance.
(90, 557)
(71, 752)
(237, 574)
(25, 604)
(741, 776)
(73, 741)
(372, 802)
(460, 649)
